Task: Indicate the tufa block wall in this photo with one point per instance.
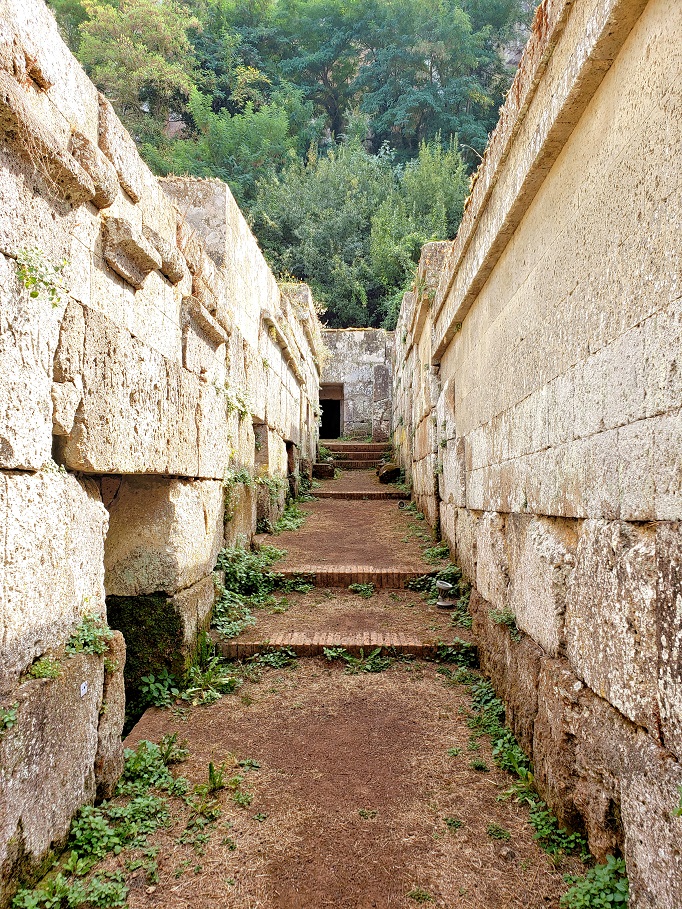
(537, 401)
(126, 408)
(359, 359)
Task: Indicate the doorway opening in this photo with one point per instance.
(331, 401)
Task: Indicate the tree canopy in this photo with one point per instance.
(345, 128)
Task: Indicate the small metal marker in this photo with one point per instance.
(84, 689)
(444, 601)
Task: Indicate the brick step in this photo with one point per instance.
(348, 455)
(360, 446)
(314, 644)
(343, 575)
(353, 494)
(357, 465)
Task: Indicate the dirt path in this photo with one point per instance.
(366, 797)
(350, 803)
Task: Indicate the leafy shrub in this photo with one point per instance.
(603, 887)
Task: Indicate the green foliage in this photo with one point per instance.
(40, 277)
(451, 574)
(276, 658)
(460, 616)
(292, 518)
(678, 811)
(45, 668)
(324, 454)
(480, 765)
(159, 689)
(506, 617)
(419, 895)
(603, 887)
(438, 553)
(375, 661)
(459, 652)
(366, 591)
(453, 823)
(206, 681)
(110, 829)
(231, 614)
(274, 485)
(496, 832)
(247, 572)
(90, 636)
(8, 718)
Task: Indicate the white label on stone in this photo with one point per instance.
(84, 689)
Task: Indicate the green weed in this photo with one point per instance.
(419, 895)
(506, 617)
(8, 718)
(364, 590)
(480, 765)
(45, 668)
(277, 658)
(603, 887)
(90, 636)
(496, 832)
(373, 662)
(292, 518)
(453, 823)
(438, 553)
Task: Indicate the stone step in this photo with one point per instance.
(354, 494)
(357, 465)
(314, 645)
(344, 575)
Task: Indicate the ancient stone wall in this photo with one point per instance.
(358, 368)
(537, 409)
(147, 358)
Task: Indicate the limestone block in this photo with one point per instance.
(452, 479)
(54, 528)
(240, 513)
(109, 757)
(596, 768)
(164, 534)
(611, 617)
(47, 760)
(173, 265)
(66, 396)
(127, 251)
(33, 139)
(29, 329)
(465, 550)
(513, 669)
(492, 564)
(448, 525)
(140, 412)
(120, 149)
(541, 558)
(98, 167)
(669, 632)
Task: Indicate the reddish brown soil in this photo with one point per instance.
(340, 611)
(355, 481)
(332, 745)
(342, 532)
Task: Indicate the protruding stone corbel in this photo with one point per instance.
(127, 251)
(196, 313)
(172, 262)
(99, 168)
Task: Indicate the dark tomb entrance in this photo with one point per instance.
(331, 401)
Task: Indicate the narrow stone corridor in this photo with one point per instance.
(371, 790)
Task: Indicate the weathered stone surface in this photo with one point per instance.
(173, 265)
(595, 767)
(611, 617)
(20, 127)
(127, 251)
(541, 558)
(669, 632)
(140, 412)
(465, 549)
(160, 631)
(66, 396)
(513, 668)
(240, 513)
(164, 534)
(52, 572)
(492, 563)
(323, 471)
(388, 473)
(29, 329)
(120, 149)
(109, 757)
(98, 168)
(47, 760)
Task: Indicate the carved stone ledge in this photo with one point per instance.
(172, 262)
(99, 168)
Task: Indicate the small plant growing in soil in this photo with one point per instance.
(496, 832)
(292, 518)
(373, 662)
(438, 553)
(368, 814)
(603, 887)
(453, 823)
(506, 617)
(364, 590)
(279, 658)
(90, 636)
(453, 752)
(41, 277)
(419, 895)
(459, 652)
(480, 765)
(45, 668)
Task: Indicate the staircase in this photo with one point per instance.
(356, 455)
